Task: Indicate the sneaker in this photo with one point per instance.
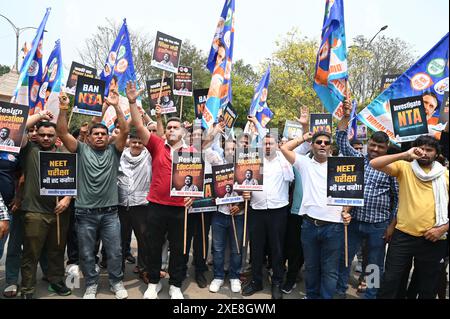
(130, 259)
(175, 292)
(60, 288)
(152, 291)
(73, 270)
(91, 292)
(235, 285)
(287, 287)
(215, 285)
(119, 290)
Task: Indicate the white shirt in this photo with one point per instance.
(275, 192)
(314, 182)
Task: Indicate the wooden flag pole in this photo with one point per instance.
(181, 108)
(346, 245)
(235, 234)
(203, 236)
(185, 229)
(58, 230)
(70, 120)
(161, 86)
(245, 222)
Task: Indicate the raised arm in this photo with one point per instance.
(159, 121)
(383, 163)
(62, 129)
(121, 139)
(288, 148)
(132, 95)
(33, 120)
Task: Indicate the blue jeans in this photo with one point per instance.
(357, 231)
(14, 250)
(322, 247)
(104, 221)
(223, 233)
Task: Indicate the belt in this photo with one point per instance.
(318, 222)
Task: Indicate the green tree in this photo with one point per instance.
(4, 69)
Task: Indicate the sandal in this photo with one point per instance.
(10, 291)
(362, 287)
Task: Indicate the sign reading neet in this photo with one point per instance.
(345, 181)
(57, 174)
(13, 119)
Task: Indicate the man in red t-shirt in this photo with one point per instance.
(166, 213)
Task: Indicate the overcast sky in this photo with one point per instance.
(259, 23)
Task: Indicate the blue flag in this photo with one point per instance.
(30, 77)
(219, 64)
(331, 64)
(259, 107)
(352, 130)
(51, 83)
(428, 74)
(118, 70)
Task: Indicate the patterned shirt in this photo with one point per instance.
(380, 191)
(3, 210)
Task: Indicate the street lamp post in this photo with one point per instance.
(17, 31)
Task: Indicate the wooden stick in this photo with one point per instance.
(346, 245)
(161, 86)
(185, 229)
(70, 120)
(203, 236)
(181, 108)
(245, 223)
(235, 235)
(58, 230)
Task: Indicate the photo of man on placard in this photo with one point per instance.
(4, 137)
(249, 180)
(188, 186)
(166, 60)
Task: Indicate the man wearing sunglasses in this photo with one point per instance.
(322, 229)
(371, 221)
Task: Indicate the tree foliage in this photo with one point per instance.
(4, 69)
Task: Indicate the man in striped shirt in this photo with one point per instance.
(380, 204)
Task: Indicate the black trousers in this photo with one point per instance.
(133, 218)
(195, 232)
(162, 219)
(427, 257)
(72, 238)
(270, 223)
(293, 251)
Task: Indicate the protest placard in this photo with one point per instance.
(78, 69)
(248, 169)
(320, 122)
(229, 116)
(89, 96)
(361, 132)
(443, 112)
(207, 203)
(223, 179)
(292, 129)
(200, 97)
(182, 81)
(58, 174)
(166, 99)
(387, 80)
(408, 118)
(13, 120)
(187, 175)
(166, 53)
(345, 181)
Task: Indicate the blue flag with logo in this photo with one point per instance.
(331, 64)
(259, 107)
(428, 74)
(30, 76)
(219, 64)
(117, 71)
(51, 83)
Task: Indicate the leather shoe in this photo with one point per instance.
(251, 288)
(276, 292)
(201, 280)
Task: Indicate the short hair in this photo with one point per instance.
(190, 176)
(6, 128)
(27, 130)
(174, 119)
(249, 170)
(45, 124)
(321, 133)
(76, 133)
(355, 141)
(428, 141)
(380, 137)
(432, 94)
(133, 133)
(98, 125)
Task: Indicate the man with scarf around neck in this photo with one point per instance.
(133, 181)
(422, 219)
